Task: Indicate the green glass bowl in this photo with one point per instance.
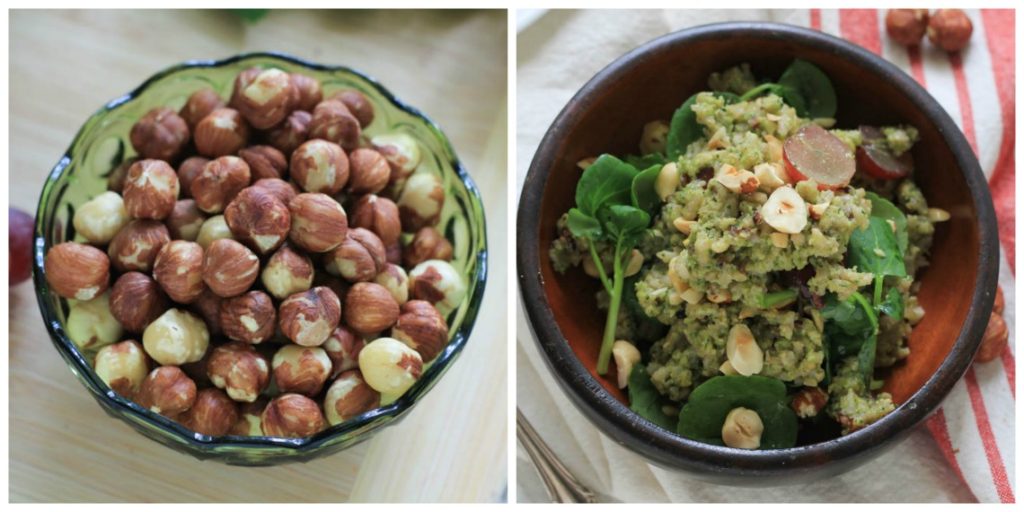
(102, 144)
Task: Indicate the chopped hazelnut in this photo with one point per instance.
(301, 370)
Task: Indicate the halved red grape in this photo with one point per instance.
(20, 231)
(881, 164)
(814, 153)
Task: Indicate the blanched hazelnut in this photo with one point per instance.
(626, 356)
(250, 317)
(265, 162)
(136, 300)
(199, 105)
(358, 104)
(239, 370)
(359, 258)
(292, 415)
(320, 166)
(167, 391)
(319, 223)
(213, 229)
(333, 121)
(906, 26)
(100, 218)
(370, 172)
(213, 414)
(427, 244)
(266, 100)
(438, 283)
(742, 429)
(249, 422)
(219, 182)
(230, 268)
(160, 134)
(348, 397)
(390, 366)
(396, 280)
(150, 190)
(421, 327)
(301, 370)
(259, 219)
(185, 221)
(421, 201)
(187, 171)
(91, 325)
(179, 270)
(135, 247)
(77, 271)
(308, 90)
(278, 188)
(343, 349)
(222, 132)
(378, 214)
(291, 133)
(122, 366)
(287, 272)
(950, 29)
(307, 318)
(176, 337)
(403, 155)
(370, 308)
(207, 306)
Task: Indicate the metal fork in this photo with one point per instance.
(562, 485)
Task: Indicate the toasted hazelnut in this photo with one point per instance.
(135, 247)
(378, 214)
(291, 133)
(319, 223)
(115, 181)
(281, 189)
(219, 182)
(250, 317)
(403, 155)
(390, 366)
(239, 370)
(185, 221)
(357, 103)
(179, 270)
(343, 347)
(77, 271)
(249, 422)
(333, 121)
(906, 26)
(230, 268)
(308, 90)
(420, 202)
(267, 99)
(101, 217)
(359, 258)
(421, 327)
(122, 366)
(259, 219)
(370, 308)
(950, 29)
(348, 397)
(176, 337)
(207, 306)
(626, 356)
(809, 401)
(90, 324)
(187, 171)
(396, 280)
(213, 414)
(287, 272)
(160, 134)
(167, 391)
(427, 244)
(742, 429)
(745, 356)
(292, 415)
(265, 162)
(136, 300)
(995, 339)
(785, 211)
(370, 172)
(320, 166)
(438, 283)
(213, 229)
(301, 370)
(222, 132)
(150, 190)
(308, 317)
(199, 105)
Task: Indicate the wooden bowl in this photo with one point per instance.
(650, 82)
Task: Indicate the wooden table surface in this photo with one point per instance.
(452, 65)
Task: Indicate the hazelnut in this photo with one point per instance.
(950, 29)
(287, 272)
(359, 258)
(785, 211)
(994, 341)
(421, 327)
(292, 415)
(122, 366)
(420, 202)
(333, 121)
(809, 401)
(301, 370)
(160, 134)
(308, 90)
(167, 391)
(239, 370)
(115, 181)
(343, 348)
(389, 366)
(135, 247)
(91, 325)
(265, 162)
(370, 172)
(370, 308)
(396, 280)
(291, 133)
(1000, 302)
(150, 190)
(213, 229)
(230, 268)
(219, 182)
(348, 397)
(906, 26)
(279, 188)
(77, 271)
(403, 156)
(249, 423)
(199, 105)
(176, 337)
(320, 166)
(187, 171)
(213, 414)
(319, 223)
(438, 283)
(222, 132)
(179, 270)
(208, 307)
(185, 221)
(742, 429)
(250, 317)
(259, 219)
(307, 318)
(626, 356)
(243, 80)
(378, 214)
(357, 103)
(266, 100)
(394, 253)
(336, 285)
(100, 218)
(136, 300)
(743, 352)
(427, 244)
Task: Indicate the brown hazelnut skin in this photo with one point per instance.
(265, 162)
(291, 133)
(207, 306)
(950, 29)
(906, 26)
(160, 134)
(427, 244)
(394, 253)
(357, 103)
(370, 308)
(308, 318)
(188, 170)
(239, 370)
(249, 423)
(333, 121)
(348, 397)
(250, 317)
(222, 132)
(136, 300)
(259, 219)
(343, 349)
(77, 271)
(308, 90)
(115, 182)
(179, 270)
(292, 415)
(167, 391)
(135, 247)
(422, 328)
(267, 99)
(370, 172)
(199, 105)
(185, 220)
(320, 166)
(378, 214)
(302, 370)
(283, 190)
(319, 223)
(359, 258)
(243, 80)
(335, 284)
(150, 190)
(219, 182)
(230, 268)
(213, 413)
(287, 272)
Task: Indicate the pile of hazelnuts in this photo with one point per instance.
(948, 29)
(281, 268)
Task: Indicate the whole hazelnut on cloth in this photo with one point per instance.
(219, 182)
(136, 300)
(185, 221)
(378, 214)
(279, 188)
(213, 229)
(188, 170)
(259, 219)
(319, 223)
(77, 271)
(250, 317)
(438, 283)
(421, 327)
(122, 366)
(179, 270)
(370, 172)
(287, 272)
(307, 318)
(230, 268)
(348, 397)
(427, 244)
(239, 370)
(199, 105)
(292, 415)
(90, 324)
(308, 90)
(357, 103)
(950, 29)
(161, 134)
(175, 338)
(135, 247)
(421, 201)
(267, 99)
(333, 121)
(370, 308)
(167, 391)
(222, 132)
(906, 26)
(213, 414)
(359, 258)
(301, 370)
(101, 217)
(396, 280)
(291, 133)
(343, 347)
(265, 162)
(150, 190)
(320, 166)
(389, 366)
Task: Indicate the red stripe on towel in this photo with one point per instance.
(988, 439)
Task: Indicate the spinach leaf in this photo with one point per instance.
(704, 414)
(893, 304)
(791, 97)
(847, 327)
(642, 191)
(876, 250)
(813, 86)
(645, 161)
(683, 129)
(884, 209)
(607, 181)
(645, 400)
(583, 225)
